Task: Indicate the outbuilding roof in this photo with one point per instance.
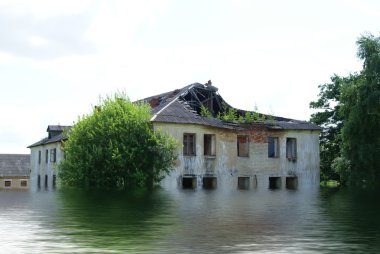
(14, 165)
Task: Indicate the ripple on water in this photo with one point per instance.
(178, 221)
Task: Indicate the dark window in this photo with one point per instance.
(38, 181)
(7, 183)
(292, 183)
(24, 183)
(54, 181)
(39, 157)
(189, 182)
(242, 146)
(273, 147)
(209, 182)
(46, 155)
(291, 149)
(243, 183)
(188, 144)
(274, 183)
(53, 155)
(46, 181)
(209, 145)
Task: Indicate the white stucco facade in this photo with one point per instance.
(44, 169)
(45, 156)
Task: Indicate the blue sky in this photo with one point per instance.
(58, 57)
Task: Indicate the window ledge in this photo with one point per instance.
(211, 157)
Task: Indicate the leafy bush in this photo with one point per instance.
(116, 147)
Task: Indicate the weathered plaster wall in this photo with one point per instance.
(227, 166)
(44, 168)
(16, 182)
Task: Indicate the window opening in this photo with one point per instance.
(38, 181)
(7, 183)
(209, 145)
(291, 149)
(243, 182)
(209, 182)
(54, 181)
(189, 182)
(53, 155)
(242, 146)
(292, 183)
(46, 181)
(188, 144)
(24, 183)
(274, 183)
(273, 147)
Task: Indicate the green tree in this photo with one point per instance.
(329, 118)
(360, 109)
(350, 114)
(116, 146)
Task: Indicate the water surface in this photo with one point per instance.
(190, 221)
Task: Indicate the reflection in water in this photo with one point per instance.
(188, 221)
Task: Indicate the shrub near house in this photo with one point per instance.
(116, 147)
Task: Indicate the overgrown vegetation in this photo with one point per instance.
(350, 143)
(230, 114)
(115, 146)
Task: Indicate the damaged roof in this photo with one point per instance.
(184, 106)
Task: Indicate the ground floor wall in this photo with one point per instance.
(226, 169)
(14, 182)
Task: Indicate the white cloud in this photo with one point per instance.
(38, 41)
(44, 9)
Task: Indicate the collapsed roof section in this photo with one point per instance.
(185, 105)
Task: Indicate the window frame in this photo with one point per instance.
(46, 155)
(46, 185)
(53, 155)
(273, 145)
(8, 183)
(291, 149)
(24, 183)
(209, 145)
(239, 152)
(189, 144)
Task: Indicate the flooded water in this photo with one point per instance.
(189, 221)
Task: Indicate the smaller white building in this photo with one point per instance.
(44, 158)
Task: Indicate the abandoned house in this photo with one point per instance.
(14, 171)
(224, 146)
(44, 158)
(220, 146)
